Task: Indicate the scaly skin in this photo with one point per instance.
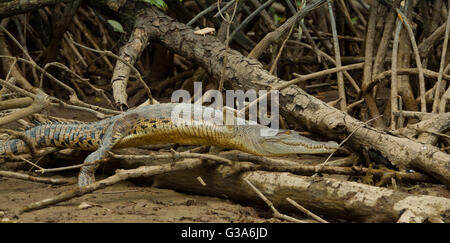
(154, 124)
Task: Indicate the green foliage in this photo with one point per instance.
(276, 19)
(354, 20)
(117, 27)
(158, 3)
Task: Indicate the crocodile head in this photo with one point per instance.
(262, 140)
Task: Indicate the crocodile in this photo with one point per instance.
(160, 124)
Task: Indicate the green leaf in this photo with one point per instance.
(354, 20)
(276, 19)
(117, 27)
(158, 3)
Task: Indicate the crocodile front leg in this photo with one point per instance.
(115, 132)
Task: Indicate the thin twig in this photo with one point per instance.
(423, 105)
(440, 86)
(337, 53)
(276, 213)
(306, 211)
(119, 176)
(111, 54)
(56, 181)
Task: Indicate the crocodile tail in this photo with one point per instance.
(13, 146)
(56, 134)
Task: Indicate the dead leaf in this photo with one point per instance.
(85, 205)
(205, 31)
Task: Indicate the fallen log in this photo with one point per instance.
(330, 197)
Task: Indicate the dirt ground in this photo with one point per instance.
(123, 202)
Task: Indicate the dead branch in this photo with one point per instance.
(15, 103)
(11, 8)
(440, 85)
(276, 213)
(40, 101)
(306, 211)
(337, 54)
(280, 31)
(124, 66)
(120, 175)
(368, 68)
(55, 181)
(331, 197)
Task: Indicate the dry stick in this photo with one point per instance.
(311, 170)
(71, 167)
(367, 71)
(250, 17)
(444, 99)
(313, 44)
(93, 110)
(329, 58)
(229, 21)
(276, 34)
(25, 52)
(75, 50)
(306, 211)
(109, 53)
(31, 163)
(91, 40)
(423, 105)
(274, 64)
(302, 78)
(434, 133)
(343, 37)
(40, 101)
(202, 13)
(402, 71)
(56, 181)
(73, 97)
(394, 83)
(384, 42)
(337, 53)
(120, 175)
(439, 123)
(447, 69)
(58, 29)
(440, 86)
(15, 103)
(174, 155)
(276, 213)
(415, 114)
(358, 13)
(347, 17)
(157, 156)
(321, 166)
(268, 20)
(355, 104)
(13, 70)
